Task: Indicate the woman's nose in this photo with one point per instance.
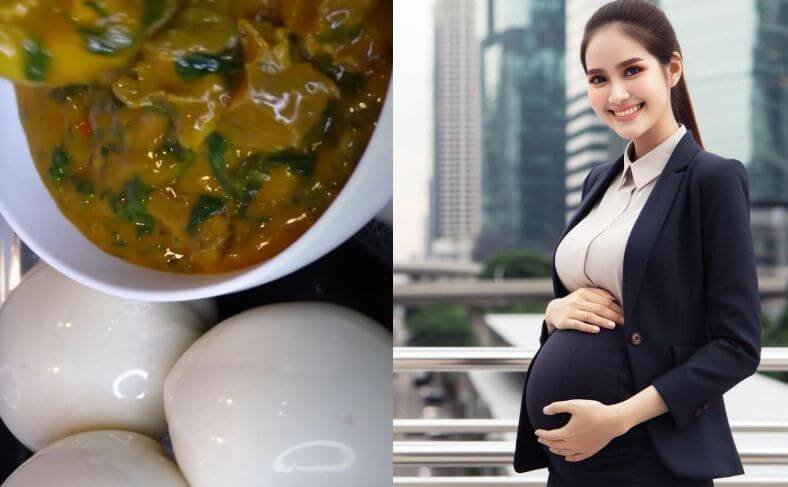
(617, 94)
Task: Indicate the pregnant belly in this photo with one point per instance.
(574, 365)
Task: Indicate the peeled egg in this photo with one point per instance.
(99, 458)
(73, 359)
(288, 395)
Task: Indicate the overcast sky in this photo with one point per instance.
(413, 46)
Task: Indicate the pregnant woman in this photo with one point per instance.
(657, 311)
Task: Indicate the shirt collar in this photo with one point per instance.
(650, 165)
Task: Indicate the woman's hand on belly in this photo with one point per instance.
(591, 427)
(585, 309)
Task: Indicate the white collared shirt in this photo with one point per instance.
(591, 254)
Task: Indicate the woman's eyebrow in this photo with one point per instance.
(619, 65)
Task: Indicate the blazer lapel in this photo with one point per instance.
(649, 222)
(652, 216)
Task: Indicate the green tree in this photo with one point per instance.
(517, 264)
(439, 325)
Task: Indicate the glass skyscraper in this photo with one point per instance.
(523, 139)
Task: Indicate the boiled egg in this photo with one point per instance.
(287, 394)
(73, 359)
(99, 458)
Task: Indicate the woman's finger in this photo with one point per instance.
(614, 306)
(599, 315)
(607, 301)
(575, 457)
(582, 326)
(600, 292)
(557, 443)
(563, 451)
(591, 318)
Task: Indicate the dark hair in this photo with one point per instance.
(648, 25)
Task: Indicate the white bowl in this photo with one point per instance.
(30, 210)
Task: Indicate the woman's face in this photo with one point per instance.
(623, 75)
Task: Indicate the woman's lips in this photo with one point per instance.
(631, 116)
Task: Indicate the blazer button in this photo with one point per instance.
(706, 405)
(635, 338)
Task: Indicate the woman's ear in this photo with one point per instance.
(675, 69)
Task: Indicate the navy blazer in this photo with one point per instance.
(690, 290)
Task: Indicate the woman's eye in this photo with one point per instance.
(601, 79)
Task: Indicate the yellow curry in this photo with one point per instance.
(214, 135)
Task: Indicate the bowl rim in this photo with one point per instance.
(371, 182)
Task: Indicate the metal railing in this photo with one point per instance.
(482, 426)
(515, 359)
(496, 453)
(501, 453)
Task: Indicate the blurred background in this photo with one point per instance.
(494, 136)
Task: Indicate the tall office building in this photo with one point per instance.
(736, 70)
(523, 141)
(455, 184)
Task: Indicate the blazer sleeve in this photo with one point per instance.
(733, 310)
(544, 334)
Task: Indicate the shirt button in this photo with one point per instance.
(635, 338)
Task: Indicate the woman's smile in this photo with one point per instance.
(628, 115)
